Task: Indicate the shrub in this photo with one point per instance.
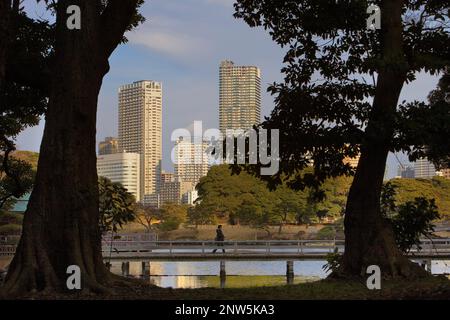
(10, 218)
(10, 229)
(327, 232)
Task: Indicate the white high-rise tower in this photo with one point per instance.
(239, 96)
(140, 129)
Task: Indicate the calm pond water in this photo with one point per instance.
(200, 274)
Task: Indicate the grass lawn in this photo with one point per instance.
(434, 288)
(429, 288)
(254, 281)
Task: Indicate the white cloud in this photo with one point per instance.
(168, 37)
(173, 44)
(226, 3)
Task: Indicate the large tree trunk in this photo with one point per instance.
(369, 239)
(60, 226)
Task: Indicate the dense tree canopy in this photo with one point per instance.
(24, 90)
(171, 216)
(331, 68)
(221, 195)
(16, 179)
(340, 97)
(245, 199)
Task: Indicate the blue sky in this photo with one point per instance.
(181, 44)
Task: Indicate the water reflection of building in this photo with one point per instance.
(156, 268)
(187, 276)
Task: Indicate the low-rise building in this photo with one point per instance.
(123, 168)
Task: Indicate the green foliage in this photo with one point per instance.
(324, 105)
(429, 125)
(326, 233)
(29, 157)
(169, 224)
(16, 180)
(245, 199)
(251, 213)
(289, 206)
(24, 96)
(222, 195)
(116, 204)
(410, 220)
(10, 218)
(172, 216)
(437, 188)
(413, 221)
(27, 81)
(199, 215)
(334, 260)
(11, 229)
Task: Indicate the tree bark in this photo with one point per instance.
(369, 239)
(61, 223)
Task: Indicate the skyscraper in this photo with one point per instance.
(239, 96)
(424, 169)
(140, 129)
(173, 192)
(406, 172)
(109, 146)
(191, 161)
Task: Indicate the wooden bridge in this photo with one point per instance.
(435, 249)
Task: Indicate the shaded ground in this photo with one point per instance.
(431, 288)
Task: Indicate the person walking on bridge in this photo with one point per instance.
(220, 238)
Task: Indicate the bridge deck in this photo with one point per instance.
(242, 250)
(250, 250)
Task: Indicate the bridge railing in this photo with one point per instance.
(248, 247)
(434, 247)
(236, 247)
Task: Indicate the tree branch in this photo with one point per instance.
(115, 20)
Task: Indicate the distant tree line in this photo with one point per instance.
(244, 199)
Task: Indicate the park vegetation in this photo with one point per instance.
(340, 98)
(245, 199)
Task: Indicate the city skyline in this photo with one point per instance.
(183, 54)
